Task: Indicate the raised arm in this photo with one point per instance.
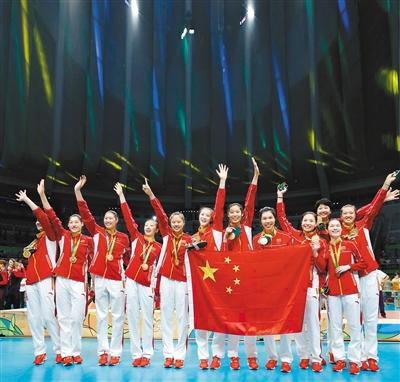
(251, 197)
(39, 213)
(126, 212)
(218, 216)
(84, 211)
(162, 217)
(281, 213)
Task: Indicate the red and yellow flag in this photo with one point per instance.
(249, 293)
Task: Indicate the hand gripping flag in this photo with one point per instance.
(249, 293)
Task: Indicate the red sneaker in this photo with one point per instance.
(323, 362)
(215, 363)
(168, 362)
(178, 363)
(271, 364)
(354, 369)
(364, 366)
(373, 365)
(252, 363)
(145, 362)
(114, 361)
(68, 361)
(203, 364)
(59, 359)
(137, 362)
(285, 367)
(235, 365)
(331, 357)
(103, 359)
(339, 365)
(78, 359)
(316, 367)
(39, 359)
(304, 363)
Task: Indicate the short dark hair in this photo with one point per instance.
(324, 201)
(267, 209)
(235, 204)
(309, 213)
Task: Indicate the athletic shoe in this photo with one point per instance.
(252, 363)
(114, 361)
(304, 363)
(203, 364)
(364, 366)
(316, 367)
(354, 369)
(235, 365)
(39, 359)
(271, 364)
(59, 359)
(145, 362)
(285, 367)
(103, 359)
(68, 361)
(215, 363)
(137, 362)
(323, 362)
(331, 357)
(78, 359)
(339, 365)
(168, 362)
(373, 365)
(178, 363)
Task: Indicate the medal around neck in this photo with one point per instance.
(236, 231)
(110, 257)
(265, 239)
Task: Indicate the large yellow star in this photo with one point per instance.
(208, 272)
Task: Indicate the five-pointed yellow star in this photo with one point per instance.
(229, 290)
(227, 260)
(236, 281)
(208, 272)
(236, 268)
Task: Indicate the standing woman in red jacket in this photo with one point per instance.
(173, 287)
(238, 237)
(41, 255)
(308, 342)
(76, 252)
(210, 230)
(107, 270)
(342, 260)
(3, 282)
(139, 296)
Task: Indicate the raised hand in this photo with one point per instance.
(341, 269)
(81, 182)
(40, 187)
(392, 195)
(389, 180)
(222, 171)
(21, 196)
(255, 167)
(280, 193)
(118, 189)
(147, 190)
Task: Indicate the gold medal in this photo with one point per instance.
(110, 257)
(72, 259)
(145, 267)
(26, 253)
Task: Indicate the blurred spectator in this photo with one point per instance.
(3, 282)
(22, 290)
(395, 282)
(16, 273)
(381, 277)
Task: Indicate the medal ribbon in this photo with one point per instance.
(335, 253)
(74, 246)
(176, 248)
(146, 252)
(110, 244)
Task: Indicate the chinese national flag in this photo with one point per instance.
(249, 293)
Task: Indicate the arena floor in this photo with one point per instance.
(16, 365)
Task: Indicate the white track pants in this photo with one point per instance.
(139, 298)
(41, 314)
(349, 307)
(174, 296)
(218, 345)
(71, 304)
(285, 348)
(202, 344)
(308, 342)
(369, 291)
(109, 293)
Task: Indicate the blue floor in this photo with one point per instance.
(16, 365)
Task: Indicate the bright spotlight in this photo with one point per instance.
(191, 31)
(184, 33)
(134, 8)
(250, 12)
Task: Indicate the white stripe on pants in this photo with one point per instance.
(71, 304)
(308, 342)
(41, 314)
(109, 293)
(349, 307)
(369, 292)
(140, 298)
(285, 348)
(174, 295)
